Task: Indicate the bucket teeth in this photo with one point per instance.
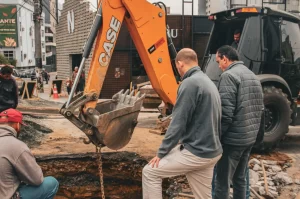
(126, 98)
(118, 119)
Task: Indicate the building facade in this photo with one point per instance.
(22, 32)
(125, 66)
(49, 8)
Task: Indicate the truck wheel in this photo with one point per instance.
(277, 116)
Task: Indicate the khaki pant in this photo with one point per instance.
(199, 172)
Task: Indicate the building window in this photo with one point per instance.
(43, 44)
(30, 31)
(168, 10)
(44, 57)
(9, 54)
(21, 56)
(42, 33)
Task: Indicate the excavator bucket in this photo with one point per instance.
(117, 119)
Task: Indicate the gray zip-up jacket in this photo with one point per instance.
(16, 164)
(242, 105)
(196, 117)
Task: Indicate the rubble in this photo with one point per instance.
(275, 177)
(254, 177)
(283, 178)
(276, 168)
(257, 168)
(254, 161)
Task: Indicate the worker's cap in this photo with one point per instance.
(11, 115)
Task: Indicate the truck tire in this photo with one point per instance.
(277, 116)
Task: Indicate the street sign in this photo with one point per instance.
(8, 26)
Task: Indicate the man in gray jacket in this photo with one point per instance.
(20, 175)
(196, 126)
(242, 104)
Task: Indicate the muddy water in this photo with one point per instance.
(79, 177)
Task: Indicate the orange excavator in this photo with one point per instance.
(111, 123)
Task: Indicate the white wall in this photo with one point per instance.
(176, 6)
(26, 44)
(213, 6)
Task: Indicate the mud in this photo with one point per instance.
(34, 132)
(281, 158)
(79, 177)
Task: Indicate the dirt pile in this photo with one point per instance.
(33, 134)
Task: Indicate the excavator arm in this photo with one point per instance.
(111, 123)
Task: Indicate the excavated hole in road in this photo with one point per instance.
(79, 177)
(78, 174)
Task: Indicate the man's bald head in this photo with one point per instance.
(186, 58)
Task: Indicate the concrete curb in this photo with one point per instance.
(44, 110)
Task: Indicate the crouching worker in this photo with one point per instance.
(20, 176)
(196, 126)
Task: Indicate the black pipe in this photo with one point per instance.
(172, 51)
(171, 47)
(93, 33)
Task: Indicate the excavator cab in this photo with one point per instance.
(111, 122)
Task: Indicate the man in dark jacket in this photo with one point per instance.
(20, 175)
(242, 104)
(8, 89)
(196, 126)
(236, 38)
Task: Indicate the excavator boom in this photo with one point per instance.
(112, 122)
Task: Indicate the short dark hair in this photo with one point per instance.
(229, 52)
(6, 70)
(237, 31)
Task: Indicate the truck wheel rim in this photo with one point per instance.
(271, 119)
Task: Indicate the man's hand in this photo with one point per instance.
(154, 161)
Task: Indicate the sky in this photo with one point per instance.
(176, 7)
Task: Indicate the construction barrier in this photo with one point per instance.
(28, 89)
(60, 86)
(55, 94)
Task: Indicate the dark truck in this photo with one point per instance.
(270, 47)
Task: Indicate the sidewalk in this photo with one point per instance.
(46, 95)
(63, 99)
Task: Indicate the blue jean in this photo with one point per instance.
(247, 179)
(46, 190)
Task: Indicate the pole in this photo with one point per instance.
(38, 47)
(56, 11)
